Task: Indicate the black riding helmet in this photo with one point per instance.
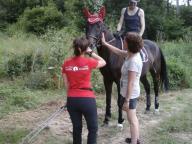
(133, 2)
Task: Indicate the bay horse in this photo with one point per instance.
(156, 65)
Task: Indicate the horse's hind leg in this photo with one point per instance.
(156, 90)
(108, 87)
(146, 85)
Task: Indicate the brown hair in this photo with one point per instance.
(80, 45)
(134, 42)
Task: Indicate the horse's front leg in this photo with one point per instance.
(108, 87)
(120, 118)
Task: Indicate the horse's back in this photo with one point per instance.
(152, 49)
(150, 44)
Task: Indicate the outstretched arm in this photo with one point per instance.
(142, 19)
(113, 48)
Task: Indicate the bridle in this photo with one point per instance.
(97, 38)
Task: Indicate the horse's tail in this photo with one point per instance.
(163, 73)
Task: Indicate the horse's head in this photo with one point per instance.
(94, 33)
(94, 26)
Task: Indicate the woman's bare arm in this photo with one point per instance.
(65, 81)
(142, 19)
(113, 48)
(101, 61)
(119, 25)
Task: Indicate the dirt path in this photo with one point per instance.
(60, 129)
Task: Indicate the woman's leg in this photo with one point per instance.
(76, 118)
(134, 126)
(90, 114)
(133, 121)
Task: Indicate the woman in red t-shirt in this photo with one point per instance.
(81, 102)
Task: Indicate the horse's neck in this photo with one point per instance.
(108, 36)
(105, 52)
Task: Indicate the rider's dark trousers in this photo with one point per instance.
(77, 108)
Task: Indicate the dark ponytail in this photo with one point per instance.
(80, 45)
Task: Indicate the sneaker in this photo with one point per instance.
(128, 140)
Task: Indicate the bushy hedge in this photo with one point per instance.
(178, 58)
(39, 80)
(39, 19)
(18, 65)
(178, 77)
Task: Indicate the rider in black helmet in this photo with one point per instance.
(133, 18)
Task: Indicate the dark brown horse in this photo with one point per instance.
(155, 64)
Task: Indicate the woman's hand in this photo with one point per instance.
(126, 106)
(89, 51)
(103, 39)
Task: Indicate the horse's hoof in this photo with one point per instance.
(121, 121)
(156, 112)
(120, 126)
(147, 112)
(105, 124)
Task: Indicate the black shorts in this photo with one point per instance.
(133, 103)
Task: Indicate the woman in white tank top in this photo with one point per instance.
(130, 75)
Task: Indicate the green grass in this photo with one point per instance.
(11, 136)
(179, 123)
(14, 97)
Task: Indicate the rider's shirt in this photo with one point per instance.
(78, 72)
(132, 22)
(131, 64)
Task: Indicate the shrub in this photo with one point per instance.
(173, 28)
(25, 63)
(14, 67)
(186, 14)
(11, 9)
(22, 101)
(39, 19)
(97, 82)
(39, 80)
(177, 76)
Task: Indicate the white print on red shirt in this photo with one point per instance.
(76, 68)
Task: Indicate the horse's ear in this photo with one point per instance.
(102, 12)
(86, 13)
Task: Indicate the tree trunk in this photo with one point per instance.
(167, 7)
(177, 7)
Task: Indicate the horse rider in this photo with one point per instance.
(133, 18)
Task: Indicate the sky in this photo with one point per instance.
(181, 2)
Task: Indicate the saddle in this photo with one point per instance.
(143, 52)
(144, 55)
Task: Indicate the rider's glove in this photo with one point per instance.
(117, 34)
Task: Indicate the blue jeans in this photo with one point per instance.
(77, 108)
